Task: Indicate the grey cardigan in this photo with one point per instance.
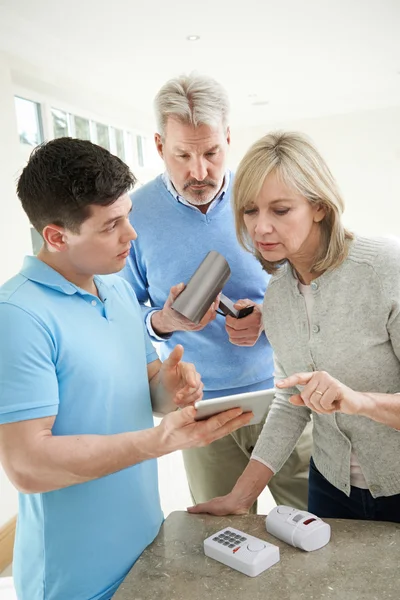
(355, 337)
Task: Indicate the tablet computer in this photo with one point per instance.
(256, 402)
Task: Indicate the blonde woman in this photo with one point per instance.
(332, 315)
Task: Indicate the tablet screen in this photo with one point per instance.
(256, 402)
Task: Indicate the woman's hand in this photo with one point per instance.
(246, 491)
(222, 505)
(323, 393)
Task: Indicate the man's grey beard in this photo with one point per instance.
(200, 197)
(198, 200)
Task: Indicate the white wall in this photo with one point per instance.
(14, 228)
(363, 152)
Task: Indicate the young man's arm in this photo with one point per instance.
(37, 461)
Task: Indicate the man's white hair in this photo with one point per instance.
(192, 99)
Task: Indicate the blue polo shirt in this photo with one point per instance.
(66, 353)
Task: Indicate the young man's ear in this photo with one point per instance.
(55, 238)
(159, 144)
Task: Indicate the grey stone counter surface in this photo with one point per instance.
(361, 562)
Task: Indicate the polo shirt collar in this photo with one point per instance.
(36, 270)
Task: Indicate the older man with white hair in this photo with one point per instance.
(180, 216)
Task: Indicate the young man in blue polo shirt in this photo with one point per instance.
(79, 380)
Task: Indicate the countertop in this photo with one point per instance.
(361, 562)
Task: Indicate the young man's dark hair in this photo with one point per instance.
(65, 176)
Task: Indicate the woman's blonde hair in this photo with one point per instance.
(299, 166)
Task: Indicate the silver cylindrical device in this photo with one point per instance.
(203, 287)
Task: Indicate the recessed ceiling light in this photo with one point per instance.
(193, 38)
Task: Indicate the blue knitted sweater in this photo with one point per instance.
(172, 241)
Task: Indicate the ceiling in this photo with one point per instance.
(279, 60)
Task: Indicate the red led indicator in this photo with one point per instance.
(236, 549)
(308, 521)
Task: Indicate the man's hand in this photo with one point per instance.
(179, 430)
(323, 393)
(169, 320)
(180, 379)
(245, 331)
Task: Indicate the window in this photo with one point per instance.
(129, 159)
(82, 128)
(140, 153)
(147, 154)
(29, 120)
(119, 143)
(60, 123)
(103, 136)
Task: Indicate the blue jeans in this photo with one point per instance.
(325, 500)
